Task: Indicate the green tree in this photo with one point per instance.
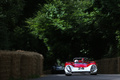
(10, 10)
(108, 23)
(3, 31)
(63, 25)
(13, 34)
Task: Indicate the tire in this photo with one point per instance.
(68, 74)
(93, 73)
(93, 70)
(68, 71)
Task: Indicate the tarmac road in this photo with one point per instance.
(80, 77)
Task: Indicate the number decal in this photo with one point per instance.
(81, 68)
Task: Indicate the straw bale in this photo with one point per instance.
(20, 63)
(108, 66)
(5, 61)
(37, 65)
(119, 65)
(25, 66)
(112, 66)
(32, 65)
(15, 65)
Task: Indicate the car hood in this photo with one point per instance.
(80, 64)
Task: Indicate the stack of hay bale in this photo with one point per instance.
(20, 64)
(5, 61)
(108, 66)
(119, 65)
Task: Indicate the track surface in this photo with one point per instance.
(80, 77)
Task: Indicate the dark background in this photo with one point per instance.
(97, 39)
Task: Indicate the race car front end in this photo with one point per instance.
(92, 69)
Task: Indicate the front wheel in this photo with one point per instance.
(68, 74)
(93, 73)
(68, 70)
(93, 70)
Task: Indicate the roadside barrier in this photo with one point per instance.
(109, 66)
(20, 64)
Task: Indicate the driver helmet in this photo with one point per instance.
(75, 61)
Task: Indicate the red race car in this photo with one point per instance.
(80, 65)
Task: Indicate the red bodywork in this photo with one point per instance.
(80, 63)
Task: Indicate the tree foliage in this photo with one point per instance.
(61, 29)
(78, 28)
(63, 26)
(13, 34)
(108, 23)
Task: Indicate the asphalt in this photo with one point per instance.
(79, 76)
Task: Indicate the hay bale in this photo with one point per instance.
(119, 65)
(20, 64)
(25, 66)
(15, 65)
(5, 62)
(31, 61)
(108, 66)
